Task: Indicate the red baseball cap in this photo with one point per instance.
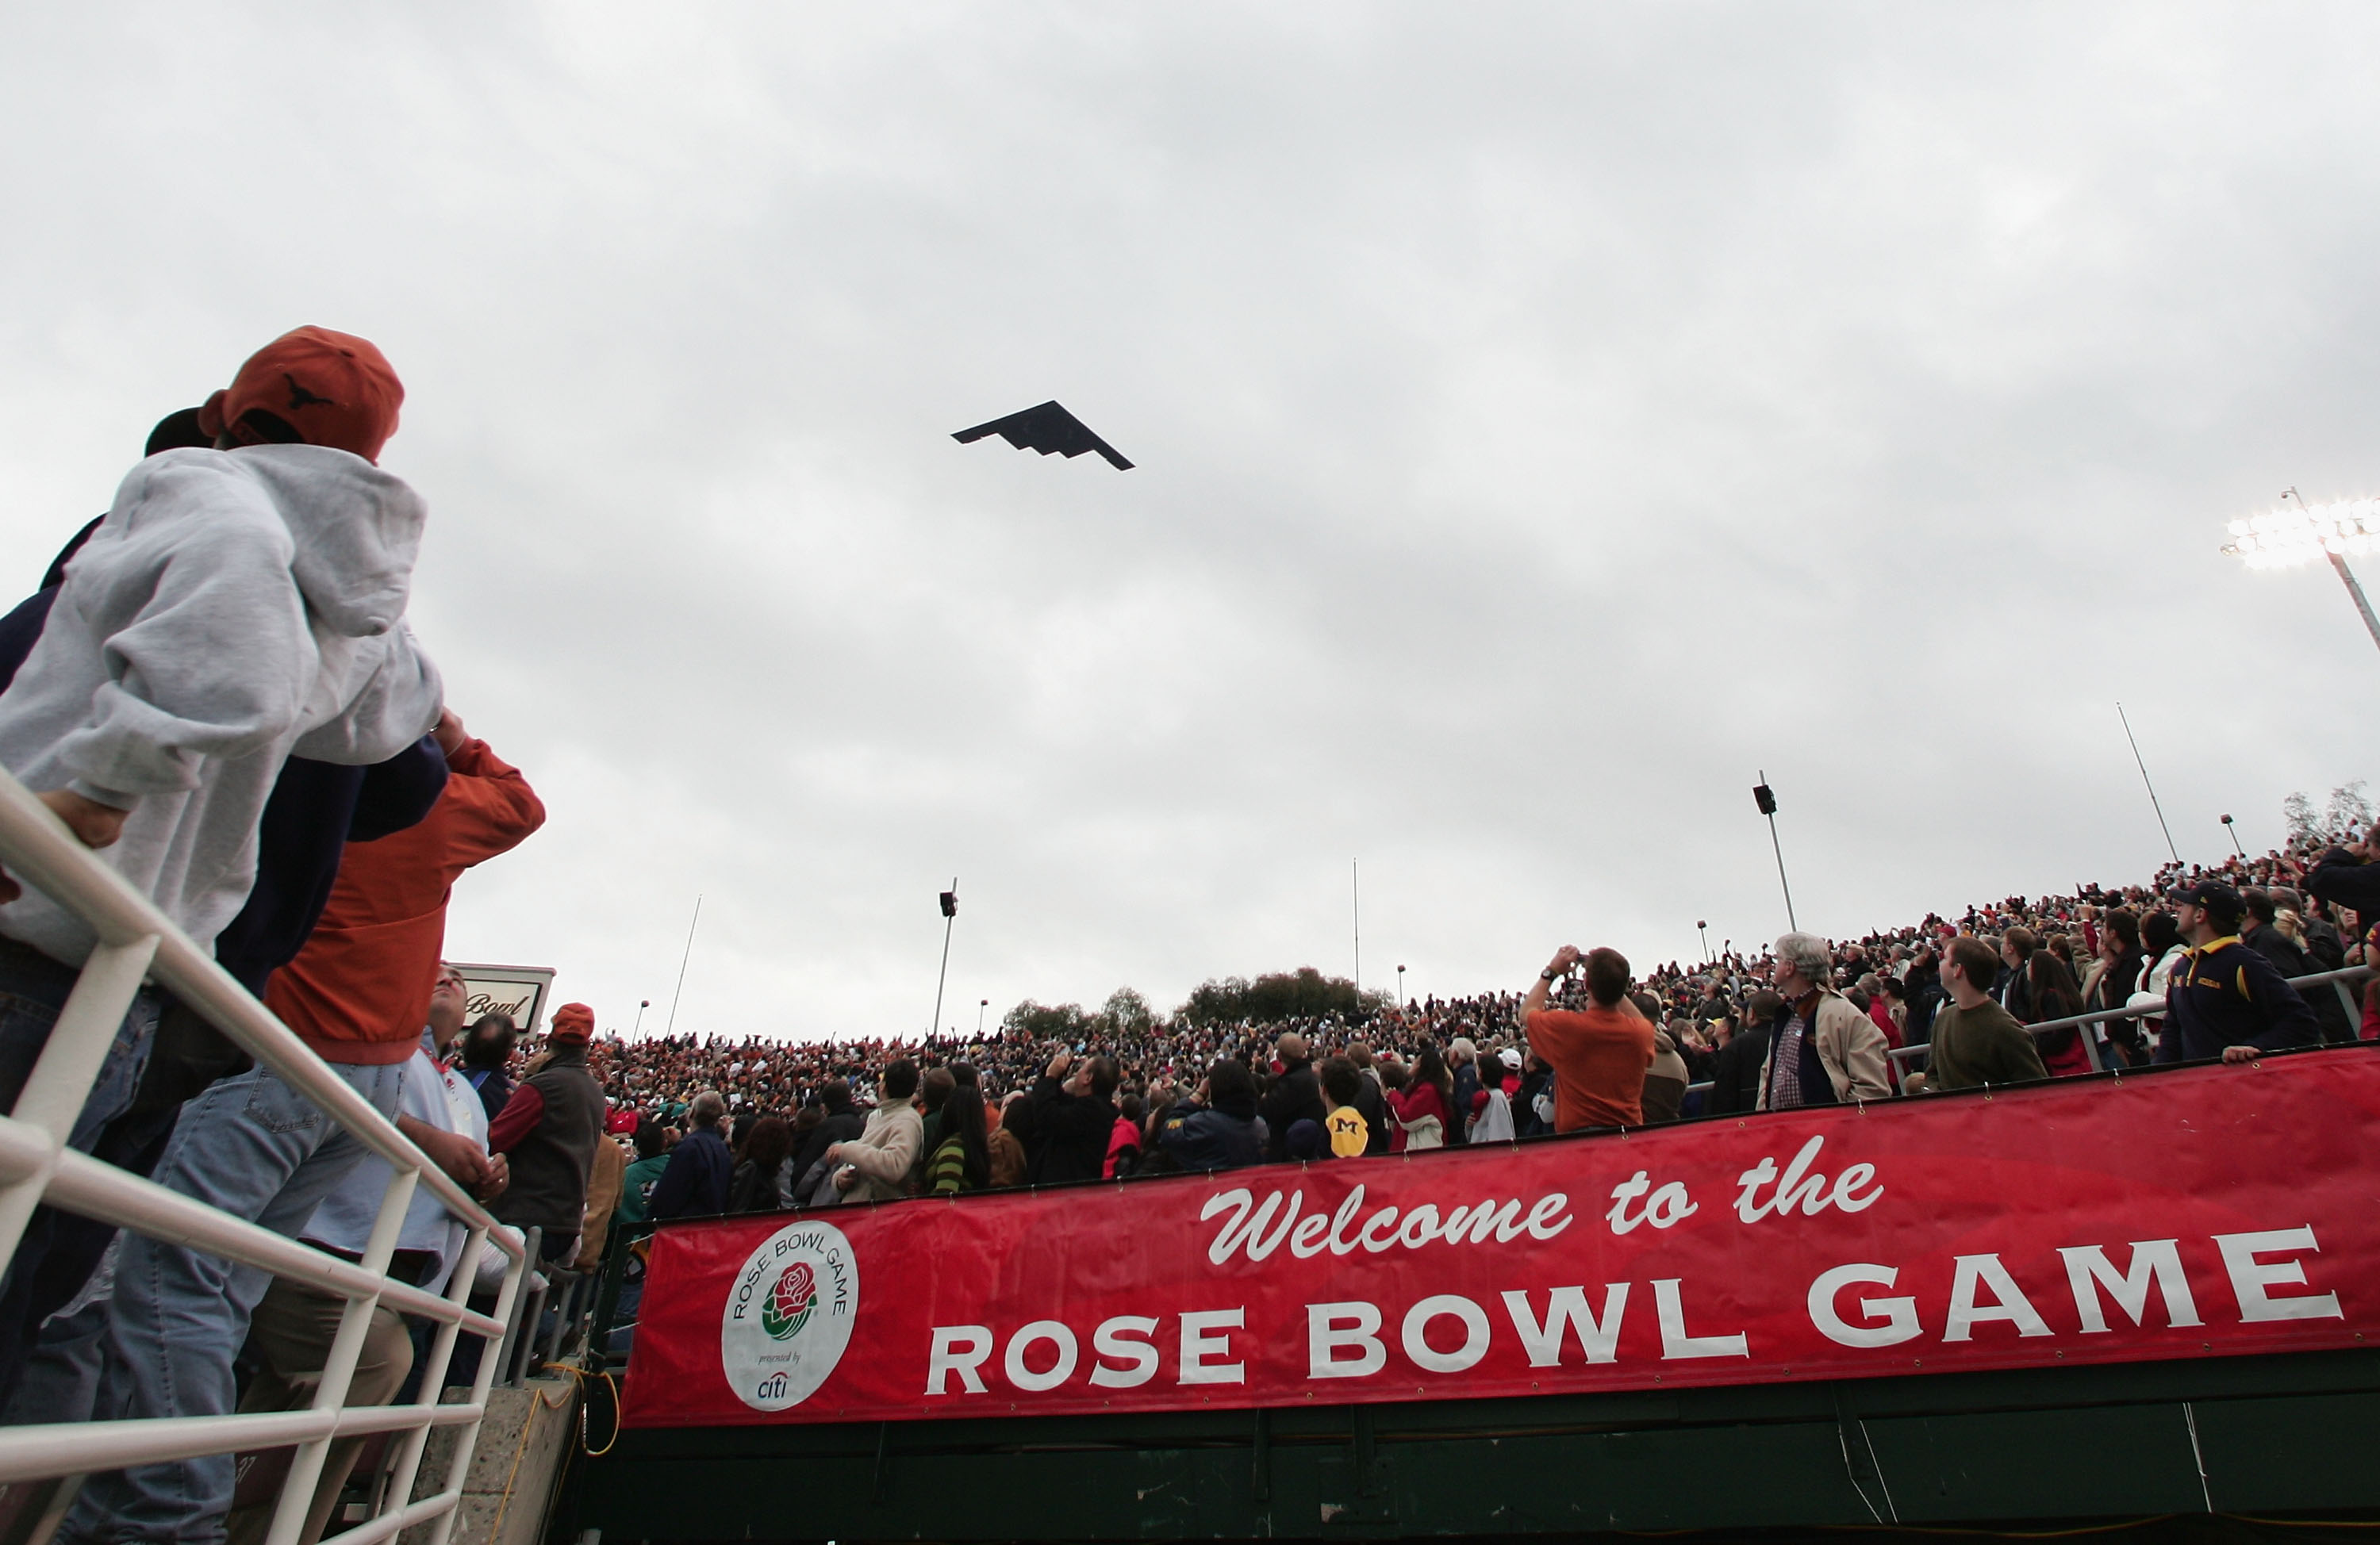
(571, 1022)
(335, 389)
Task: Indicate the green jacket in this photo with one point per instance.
(1982, 1044)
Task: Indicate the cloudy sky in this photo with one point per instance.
(1547, 418)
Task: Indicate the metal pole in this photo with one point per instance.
(2232, 832)
(2145, 783)
(1355, 878)
(681, 967)
(1782, 881)
(950, 920)
(2339, 562)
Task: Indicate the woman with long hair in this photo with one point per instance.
(765, 1149)
(2053, 993)
(1425, 1107)
(962, 1161)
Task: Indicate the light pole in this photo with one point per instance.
(1400, 989)
(2232, 834)
(1767, 801)
(2283, 539)
(642, 1004)
(1703, 928)
(949, 917)
(980, 1010)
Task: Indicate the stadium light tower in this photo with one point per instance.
(2286, 537)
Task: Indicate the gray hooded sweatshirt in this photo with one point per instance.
(233, 607)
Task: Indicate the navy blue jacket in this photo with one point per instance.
(2228, 995)
(693, 1185)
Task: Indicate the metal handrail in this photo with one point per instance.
(2339, 978)
(136, 944)
(38, 846)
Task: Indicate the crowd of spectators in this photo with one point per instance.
(1943, 1003)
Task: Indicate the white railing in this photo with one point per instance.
(136, 944)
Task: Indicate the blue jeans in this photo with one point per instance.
(255, 1147)
(33, 989)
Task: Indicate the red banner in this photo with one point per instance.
(2223, 1210)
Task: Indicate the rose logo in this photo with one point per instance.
(787, 1308)
(787, 1319)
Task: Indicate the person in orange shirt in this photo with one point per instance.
(1600, 1053)
(361, 985)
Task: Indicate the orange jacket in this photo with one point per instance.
(360, 991)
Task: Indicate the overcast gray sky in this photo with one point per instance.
(1546, 416)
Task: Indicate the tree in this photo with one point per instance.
(1126, 1013)
(1304, 992)
(2348, 812)
(1040, 1021)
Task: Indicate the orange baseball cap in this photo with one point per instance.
(571, 1022)
(335, 389)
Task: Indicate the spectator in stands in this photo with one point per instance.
(1342, 1127)
(2348, 875)
(961, 1159)
(2051, 993)
(234, 608)
(1976, 1040)
(1666, 1080)
(2112, 978)
(874, 1166)
(1218, 1127)
(487, 1060)
(1462, 1065)
(1599, 1053)
(753, 1188)
(637, 1181)
(1295, 1095)
(1123, 1139)
(1005, 1150)
(294, 1325)
(934, 1086)
(812, 1177)
(1923, 989)
(1736, 1066)
(548, 1129)
(695, 1182)
(1369, 1103)
(2275, 932)
(1073, 1114)
(1423, 1108)
(1822, 1051)
(2223, 998)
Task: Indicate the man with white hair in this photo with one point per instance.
(1822, 1050)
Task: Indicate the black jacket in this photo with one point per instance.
(841, 1125)
(1375, 1112)
(2293, 960)
(1296, 1096)
(1735, 1072)
(2344, 880)
(1069, 1140)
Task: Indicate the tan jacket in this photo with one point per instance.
(883, 1153)
(1850, 1045)
(604, 1179)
